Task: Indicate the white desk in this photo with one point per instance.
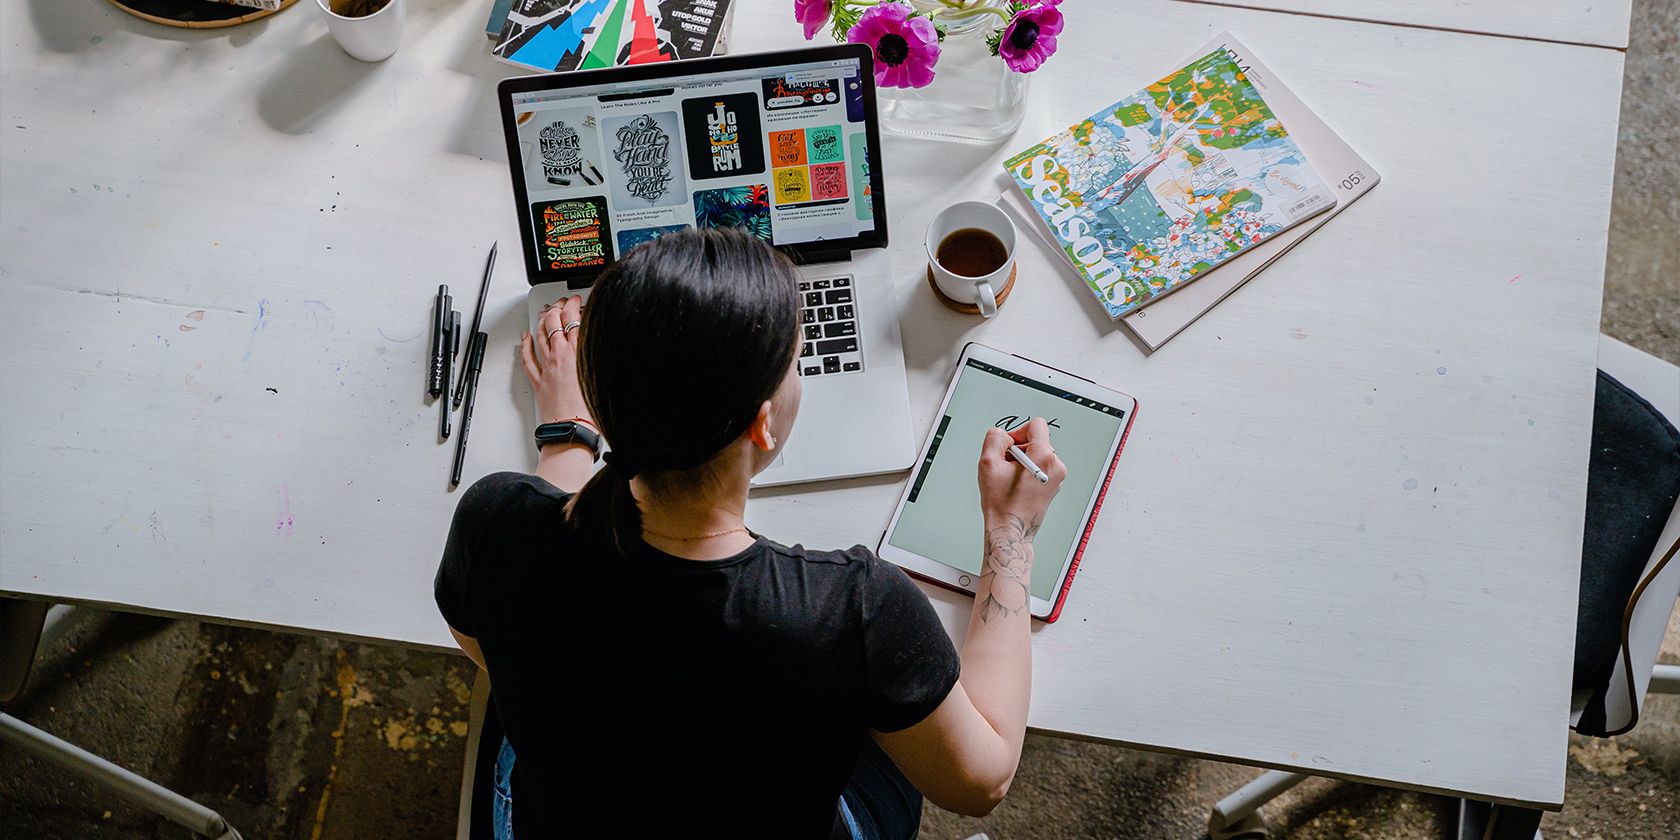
(1344, 536)
(1585, 22)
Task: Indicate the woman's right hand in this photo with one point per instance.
(1006, 488)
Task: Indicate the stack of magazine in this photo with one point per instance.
(562, 35)
(1168, 200)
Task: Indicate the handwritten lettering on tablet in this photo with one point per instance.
(1012, 422)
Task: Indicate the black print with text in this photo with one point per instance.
(642, 147)
(723, 136)
(572, 233)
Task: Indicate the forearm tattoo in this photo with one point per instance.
(1007, 568)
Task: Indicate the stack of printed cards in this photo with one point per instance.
(564, 35)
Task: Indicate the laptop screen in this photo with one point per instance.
(783, 145)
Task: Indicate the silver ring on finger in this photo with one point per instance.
(572, 326)
(553, 331)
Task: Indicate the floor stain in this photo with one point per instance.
(1605, 758)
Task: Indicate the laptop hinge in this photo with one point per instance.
(814, 256)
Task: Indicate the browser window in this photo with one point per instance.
(780, 152)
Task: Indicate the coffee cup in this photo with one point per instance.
(971, 256)
(367, 30)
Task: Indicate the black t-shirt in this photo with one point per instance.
(728, 695)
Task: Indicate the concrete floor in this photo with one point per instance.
(295, 737)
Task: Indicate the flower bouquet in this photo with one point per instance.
(978, 51)
(906, 37)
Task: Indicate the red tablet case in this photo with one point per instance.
(1073, 568)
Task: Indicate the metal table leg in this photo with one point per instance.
(1237, 815)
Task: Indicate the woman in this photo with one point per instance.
(646, 648)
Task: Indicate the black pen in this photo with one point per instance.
(478, 321)
(440, 316)
(443, 345)
(475, 358)
(452, 348)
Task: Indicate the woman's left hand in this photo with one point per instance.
(551, 362)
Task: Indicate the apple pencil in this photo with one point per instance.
(1027, 463)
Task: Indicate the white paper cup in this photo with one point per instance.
(369, 38)
(979, 291)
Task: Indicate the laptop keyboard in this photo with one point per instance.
(828, 315)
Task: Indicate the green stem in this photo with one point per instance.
(961, 9)
(958, 10)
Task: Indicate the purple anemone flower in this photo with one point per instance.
(1030, 38)
(813, 14)
(905, 47)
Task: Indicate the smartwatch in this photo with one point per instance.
(568, 431)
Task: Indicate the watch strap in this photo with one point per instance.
(568, 431)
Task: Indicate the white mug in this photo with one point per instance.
(978, 291)
(370, 37)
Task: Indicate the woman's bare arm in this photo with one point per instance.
(550, 362)
(963, 756)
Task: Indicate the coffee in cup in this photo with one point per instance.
(971, 257)
(971, 252)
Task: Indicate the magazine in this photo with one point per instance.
(1350, 175)
(1168, 184)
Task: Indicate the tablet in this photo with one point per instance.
(935, 532)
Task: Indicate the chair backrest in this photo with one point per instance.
(472, 813)
(1646, 617)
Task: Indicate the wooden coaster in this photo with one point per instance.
(194, 14)
(969, 308)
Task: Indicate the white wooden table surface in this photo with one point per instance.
(1602, 23)
(1344, 536)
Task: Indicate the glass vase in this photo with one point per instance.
(974, 96)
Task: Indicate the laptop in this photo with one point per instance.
(783, 144)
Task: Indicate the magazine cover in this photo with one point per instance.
(1167, 184)
(583, 34)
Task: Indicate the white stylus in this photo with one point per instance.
(1021, 457)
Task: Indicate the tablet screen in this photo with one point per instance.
(941, 516)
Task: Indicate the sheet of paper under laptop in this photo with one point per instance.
(1348, 174)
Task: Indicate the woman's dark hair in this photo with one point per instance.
(682, 340)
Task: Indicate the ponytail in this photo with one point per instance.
(684, 338)
(605, 513)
